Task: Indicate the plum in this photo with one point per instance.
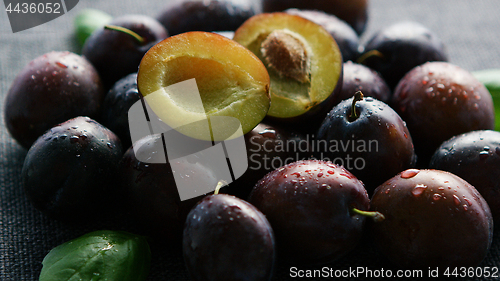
(439, 100)
(360, 134)
(475, 157)
(116, 106)
(347, 39)
(396, 49)
(117, 49)
(226, 238)
(354, 12)
(311, 205)
(69, 172)
(214, 15)
(432, 219)
(303, 61)
(358, 77)
(51, 89)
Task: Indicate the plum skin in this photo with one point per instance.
(69, 171)
(226, 236)
(308, 204)
(183, 16)
(354, 12)
(268, 147)
(116, 54)
(475, 157)
(150, 192)
(358, 77)
(347, 39)
(432, 218)
(439, 100)
(380, 134)
(117, 103)
(401, 47)
(51, 89)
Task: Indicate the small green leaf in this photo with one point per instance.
(87, 21)
(100, 255)
(491, 79)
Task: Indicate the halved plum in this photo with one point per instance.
(230, 82)
(303, 61)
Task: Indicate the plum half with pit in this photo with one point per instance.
(367, 137)
(226, 238)
(475, 157)
(439, 100)
(198, 75)
(303, 61)
(117, 49)
(398, 48)
(432, 219)
(214, 15)
(51, 89)
(313, 207)
(69, 172)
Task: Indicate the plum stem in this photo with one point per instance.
(376, 216)
(136, 36)
(369, 54)
(357, 97)
(220, 184)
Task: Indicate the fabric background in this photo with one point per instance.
(469, 29)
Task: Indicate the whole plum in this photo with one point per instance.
(439, 100)
(475, 157)
(432, 219)
(69, 172)
(49, 90)
(311, 207)
(226, 238)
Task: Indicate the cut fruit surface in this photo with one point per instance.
(303, 60)
(196, 76)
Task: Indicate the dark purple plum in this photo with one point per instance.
(439, 100)
(150, 189)
(69, 172)
(117, 103)
(344, 35)
(373, 144)
(432, 219)
(51, 89)
(226, 238)
(354, 12)
(397, 49)
(475, 157)
(187, 15)
(358, 77)
(311, 207)
(116, 54)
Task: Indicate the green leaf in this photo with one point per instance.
(100, 255)
(491, 80)
(89, 20)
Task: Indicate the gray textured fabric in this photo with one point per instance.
(470, 30)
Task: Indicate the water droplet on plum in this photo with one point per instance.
(418, 190)
(409, 173)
